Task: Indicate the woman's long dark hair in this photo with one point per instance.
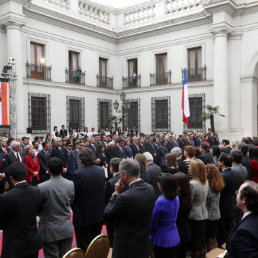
(168, 185)
(185, 195)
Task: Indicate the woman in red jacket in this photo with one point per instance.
(31, 161)
(253, 155)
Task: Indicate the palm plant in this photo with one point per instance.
(211, 111)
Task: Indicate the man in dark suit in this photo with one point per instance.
(198, 139)
(243, 148)
(134, 146)
(154, 172)
(57, 152)
(119, 148)
(227, 199)
(141, 145)
(63, 131)
(226, 145)
(3, 145)
(14, 155)
(44, 157)
(243, 240)
(109, 190)
(89, 200)
(180, 142)
(149, 146)
(205, 156)
(131, 208)
(19, 208)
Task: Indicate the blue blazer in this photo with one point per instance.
(163, 227)
(243, 240)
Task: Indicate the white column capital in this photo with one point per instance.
(221, 30)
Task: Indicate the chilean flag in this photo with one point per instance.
(4, 103)
(185, 100)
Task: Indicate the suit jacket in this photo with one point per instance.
(32, 166)
(19, 208)
(55, 217)
(240, 173)
(207, 158)
(11, 158)
(197, 141)
(132, 212)
(243, 240)
(142, 147)
(43, 161)
(163, 152)
(227, 196)
(149, 147)
(135, 149)
(3, 169)
(110, 187)
(120, 154)
(2, 152)
(94, 147)
(58, 153)
(247, 163)
(181, 144)
(154, 172)
(89, 200)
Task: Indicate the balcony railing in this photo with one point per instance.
(40, 72)
(160, 78)
(131, 82)
(195, 74)
(105, 82)
(76, 77)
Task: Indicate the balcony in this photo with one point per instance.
(105, 82)
(40, 72)
(195, 74)
(131, 82)
(160, 78)
(76, 77)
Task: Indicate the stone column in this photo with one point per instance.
(221, 89)
(14, 50)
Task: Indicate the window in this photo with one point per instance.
(133, 115)
(73, 60)
(161, 69)
(103, 71)
(75, 112)
(39, 112)
(37, 59)
(161, 114)
(197, 105)
(104, 113)
(194, 64)
(132, 72)
(161, 63)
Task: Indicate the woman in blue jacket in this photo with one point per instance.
(164, 233)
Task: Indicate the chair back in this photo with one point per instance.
(98, 248)
(74, 253)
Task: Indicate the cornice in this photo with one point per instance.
(68, 86)
(12, 19)
(221, 29)
(215, 6)
(66, 22)
(173, 86)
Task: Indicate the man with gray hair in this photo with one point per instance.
(14, 155)
(154, 172)
(131, 208)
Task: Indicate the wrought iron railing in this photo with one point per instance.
(105, 82)
(40, 72)
(76, 77)
(131, 82)
(195, 74)
(160, 78)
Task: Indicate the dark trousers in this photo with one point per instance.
(85, 234)
(224, 228)
(170, 252)
(35, 255)
(57, 248)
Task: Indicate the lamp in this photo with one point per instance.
(116, 105)
(42, 60)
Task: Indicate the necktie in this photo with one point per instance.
(18, 158)
(5, 152)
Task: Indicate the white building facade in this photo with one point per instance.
(140, 50)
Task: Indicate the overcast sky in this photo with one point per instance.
(120, 3)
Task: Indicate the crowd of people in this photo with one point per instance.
(177, 194)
